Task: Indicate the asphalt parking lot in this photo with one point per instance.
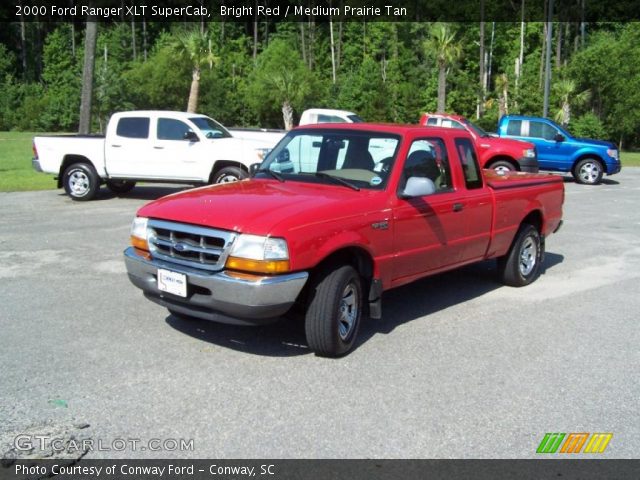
(459, 367)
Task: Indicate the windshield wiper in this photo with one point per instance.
(275, 175)
(339, 180)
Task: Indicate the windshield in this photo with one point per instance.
(361, 159)
(476, 129)
(210, 128)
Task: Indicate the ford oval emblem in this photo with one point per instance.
(181, 247)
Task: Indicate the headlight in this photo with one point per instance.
(139, 233)
(529, 153)
(253, 253)
(613, 153)
(261, 153)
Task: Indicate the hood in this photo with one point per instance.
(258, 206)
(248, 143)
(597, 143)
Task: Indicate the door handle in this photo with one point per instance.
(157, 147)
(457, 207)
(116, 146)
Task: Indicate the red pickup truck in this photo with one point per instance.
(499, 154)
(358, 210)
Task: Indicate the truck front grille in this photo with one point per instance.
(196, 247)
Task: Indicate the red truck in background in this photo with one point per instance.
(360, 209)
(499, 154)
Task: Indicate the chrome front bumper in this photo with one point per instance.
(218, 296)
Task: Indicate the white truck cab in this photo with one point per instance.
(150, 146)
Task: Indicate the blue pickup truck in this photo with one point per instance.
(558, 150)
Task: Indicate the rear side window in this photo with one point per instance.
(513, 127)
(133, 127)
(469, 161)
(432, 121)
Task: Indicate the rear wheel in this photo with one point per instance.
(81, 181)
(229, 174)
(120, 186)
(333, 316)
(502, 166)
(588, 171)
(521, 265)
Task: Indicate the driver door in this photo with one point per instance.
(429, 233)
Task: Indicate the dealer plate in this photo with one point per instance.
(172, 282)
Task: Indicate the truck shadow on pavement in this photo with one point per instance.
(140, 192)
(286, 337)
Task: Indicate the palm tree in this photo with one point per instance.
(447, 51)
(196, 47)
(502, 88)
(567, 97)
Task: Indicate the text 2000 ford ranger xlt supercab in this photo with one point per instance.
(364, 209)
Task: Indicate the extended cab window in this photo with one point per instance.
(428, 159)
(432, 121)
(133, 127)
(542, 130)
(513, 128)
(171, 129)
(469, 161)
(330, 119)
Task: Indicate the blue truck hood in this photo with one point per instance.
(597, 143)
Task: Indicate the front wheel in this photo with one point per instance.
(588, 171)
(120, 186)
(81, 181)
(502, 166)
(334, 312)
(521, 265)
(229, 174)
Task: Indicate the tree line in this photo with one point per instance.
(264, 74)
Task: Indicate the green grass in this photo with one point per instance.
(16, 172)
(630, 159)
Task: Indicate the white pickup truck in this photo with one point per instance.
(161, 146)
(150, 146)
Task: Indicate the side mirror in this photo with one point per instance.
(191, 136)
(253, 168)
(418, 187)
(559, 137)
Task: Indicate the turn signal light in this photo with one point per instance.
(139, 243)
(258, 266)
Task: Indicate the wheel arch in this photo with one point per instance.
(505, 158)
(70, 159)
(356, 256)
(589, 155)
(220, 164)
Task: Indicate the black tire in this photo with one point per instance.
(81, 182)
(328, 332)
(588, 171)
(120, 186)
(503, 166)
(229, 174)
(521, 265)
